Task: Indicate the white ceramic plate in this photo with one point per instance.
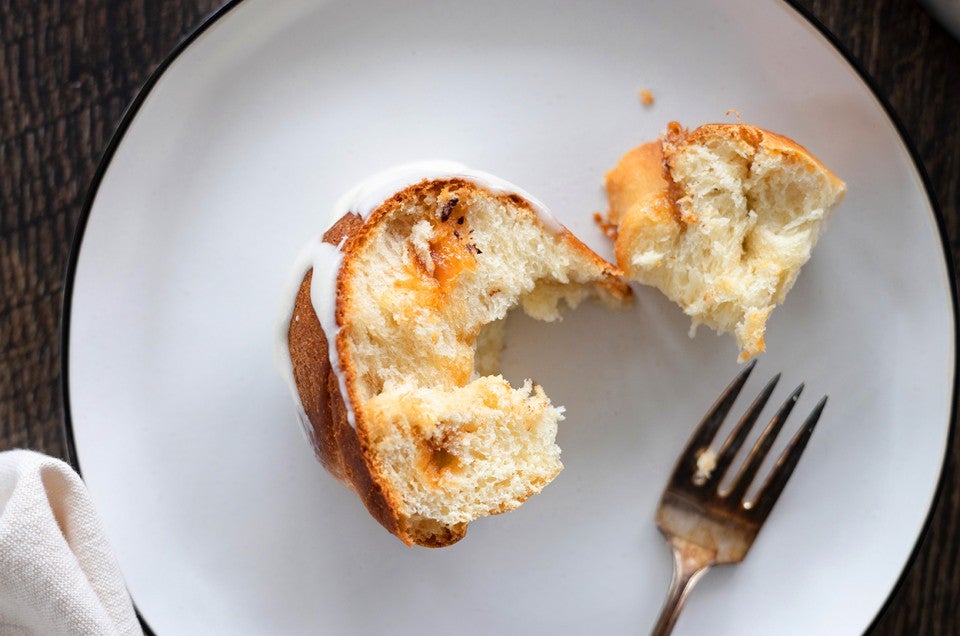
(225, 523)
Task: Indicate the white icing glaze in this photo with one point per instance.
(325, 259)
(313, 255)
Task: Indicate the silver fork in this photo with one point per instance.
(706, 526)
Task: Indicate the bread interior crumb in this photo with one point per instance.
(429, 291)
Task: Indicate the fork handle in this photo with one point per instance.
(690, 562)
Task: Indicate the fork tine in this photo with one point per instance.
(772, 488)
(736, 438)
(758, 453)
(705, 432)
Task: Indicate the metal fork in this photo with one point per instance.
(706, 526)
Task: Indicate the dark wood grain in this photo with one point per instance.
(68, 68)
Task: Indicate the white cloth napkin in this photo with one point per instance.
(58, 574)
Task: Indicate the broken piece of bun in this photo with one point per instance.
(392, 335)
(720, 219)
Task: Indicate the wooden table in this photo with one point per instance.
(68, 68)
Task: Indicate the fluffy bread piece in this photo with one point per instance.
(720, 219)
(405, 410)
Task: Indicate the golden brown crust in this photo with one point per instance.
(311, 368)
(638, 173)
(336, 443)
(642, 199)
(343, 449)
(344, 228)
(676, 136)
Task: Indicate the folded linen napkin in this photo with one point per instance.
(58, 574)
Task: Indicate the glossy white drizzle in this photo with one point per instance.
(325, 259)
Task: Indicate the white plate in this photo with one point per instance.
(222, 520)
